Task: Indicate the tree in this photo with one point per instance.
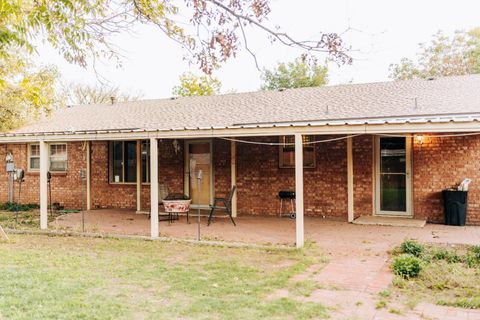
(300, 73)
(443, 56)
(75, 94)
(26, 91)
(213, 30)
(191, 85)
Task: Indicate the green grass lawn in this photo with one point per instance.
(26, 219)
(84, 278)
(22, 220)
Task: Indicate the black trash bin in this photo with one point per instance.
(455, 203)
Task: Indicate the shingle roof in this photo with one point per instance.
(442, 97)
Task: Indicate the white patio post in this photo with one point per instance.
(43, 185)
(88, 174)
(233, 169)
(350, 179)
(154, 188)
(300, 238)
(139, 176)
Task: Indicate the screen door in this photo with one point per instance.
(199, 157)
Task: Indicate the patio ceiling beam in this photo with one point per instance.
(43, 185)
(326, 129)
(299, 228)
(154, 188)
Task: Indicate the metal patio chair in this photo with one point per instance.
(227, 206)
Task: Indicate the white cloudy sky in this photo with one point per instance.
(381, 33)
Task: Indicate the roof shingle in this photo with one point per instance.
(395, 99)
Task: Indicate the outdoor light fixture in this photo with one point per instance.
(420, 139)
(176, 146)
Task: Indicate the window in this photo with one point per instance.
(145, 161)
(287, 152)
(57, 157)
(123, 161)
(33, 157)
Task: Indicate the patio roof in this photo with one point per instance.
(434, 101)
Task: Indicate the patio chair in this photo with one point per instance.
(227, 206)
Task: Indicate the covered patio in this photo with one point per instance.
(249, 229)
(332, 233)
(383, 149)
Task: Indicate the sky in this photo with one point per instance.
(380, 32)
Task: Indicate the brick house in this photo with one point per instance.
(367, 149)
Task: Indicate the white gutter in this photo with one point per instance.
(250, 130)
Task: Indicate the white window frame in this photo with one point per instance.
(58, 158)
(145, 143)
(282, 165)
(111, 179)
(29, 151)
(408, 213)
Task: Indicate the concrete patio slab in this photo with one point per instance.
(390, 221)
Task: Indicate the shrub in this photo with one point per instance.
(453, 257)
(412, 247)
(13, 206)
(476, 252)
(407, 266)
(447, 255)
(471, 260)
(440, 254)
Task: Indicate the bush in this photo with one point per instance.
(476, 252)
(440, 254)
(13, 206)
(412, 247)
(447, 255)
(407, 266)
(471, 261)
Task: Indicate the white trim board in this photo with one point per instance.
(183, 133)
(409, 183)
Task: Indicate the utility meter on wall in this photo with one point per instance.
(9, 161)
(19, 174)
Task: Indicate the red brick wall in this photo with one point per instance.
(437, 164)
(222, 167)
(259, 179)
(363, 174)
(440, 163)
(66, 187)
(106, 195)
